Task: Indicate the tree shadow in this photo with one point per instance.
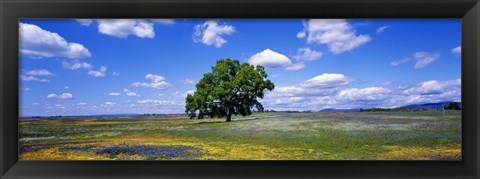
(233, 121)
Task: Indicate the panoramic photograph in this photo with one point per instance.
(240, 89)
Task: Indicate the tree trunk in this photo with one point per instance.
(229, 117)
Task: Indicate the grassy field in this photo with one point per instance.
(421, 135)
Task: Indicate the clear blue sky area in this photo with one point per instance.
(136, 66)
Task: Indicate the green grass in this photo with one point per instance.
(420, 135)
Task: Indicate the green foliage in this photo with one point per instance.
(376, 109)
(452, 106)
(230, 89)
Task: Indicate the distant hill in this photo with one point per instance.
(429, 106)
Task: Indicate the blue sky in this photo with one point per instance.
(86, 67)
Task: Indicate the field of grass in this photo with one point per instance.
(420, 135)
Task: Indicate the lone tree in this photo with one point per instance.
(230, 89)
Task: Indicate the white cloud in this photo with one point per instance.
(399, 62)
(155, 78)
(307, 54)
(66, 87)
(301, 34)
(457, 50)
(100, 73)
(181, 95)
(337, 34)
(81, 104)
(295, 97)
(122, 28)
(85, 22)
(156, 102)
(108, 103)
(113, 94)
(164, 21)
(38, 43)
(26, 89)
(76, 65)
(324, 84)
(327, 80)
(132, 94)
(156, 82)
(32, 78)
(40, 72)
(211, 33)
(424, 59)
(364, 94)
(382, 28)
(433, 87)
(61, 96)
(115, 73)
(188, 81)
(329, 92)
(296, 67)
(270, 58)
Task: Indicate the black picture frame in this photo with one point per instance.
(12, 10)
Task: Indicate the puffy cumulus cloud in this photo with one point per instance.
(432, 91)
(36, 42)
(98, 74)
(307, 54)
(61, 96)
(337, 34)
(399, 62)
(211, 33)
(324, 84)
(457, 50)
(156, 82)
(433, 87)
(76, 65)
(327, 80)
(364, 94)
(330, 92)
(122, 28)
(32, 78)
(424, 59)
(40, 72)
(382, 28)
(270, 58)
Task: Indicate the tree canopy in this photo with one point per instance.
(230, 89)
